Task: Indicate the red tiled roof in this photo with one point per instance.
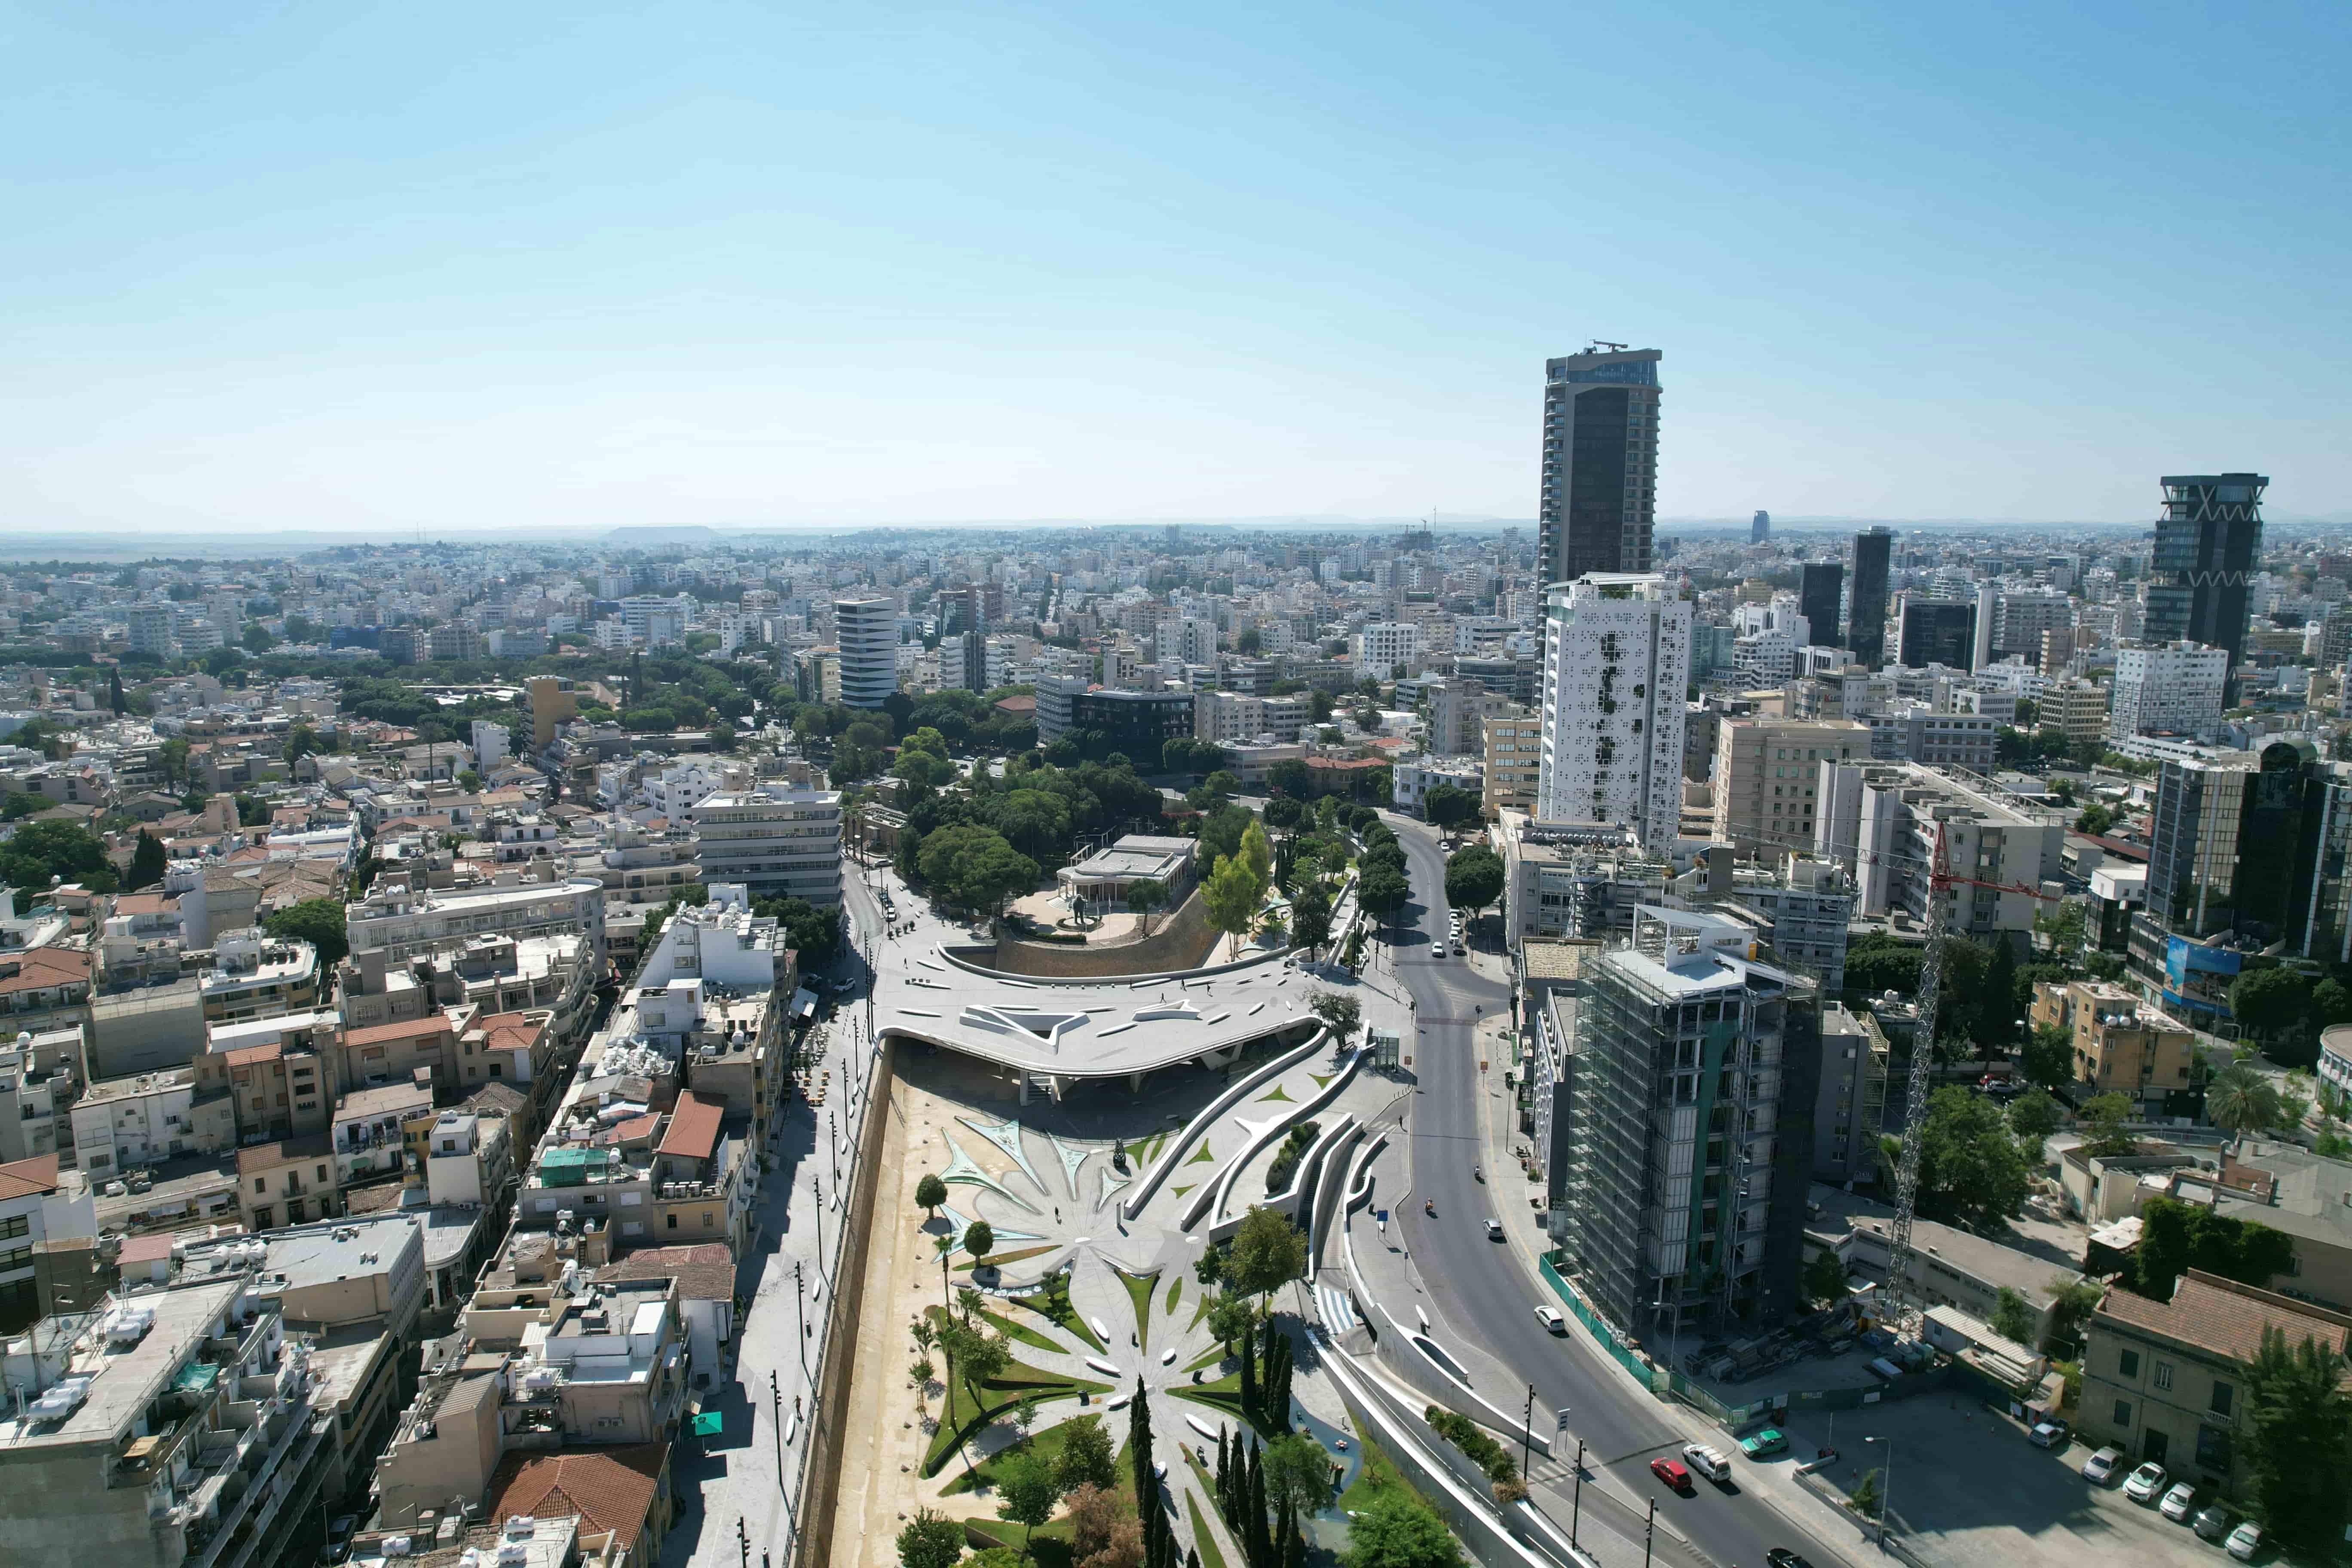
(705, 1272)
(635, 1129)
(410, 1030)
(37, 967)
(514, 1031)
(247, 1056)
(610, 1488)
(2218, 1315)
(23, 1178)
(693, 1128)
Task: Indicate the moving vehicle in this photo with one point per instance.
(2100, 1469)
(1494, 1230)
(1477, 1175)
(1781, 1557)
(1550, 1318)
(1429, 1207)
(1437, 950)
(1765, 1444)
(1712, 1463)
(2213, 1521)
(1672, 1472)
(2245, 1541)
(2179, 1503)
(2143, 1484)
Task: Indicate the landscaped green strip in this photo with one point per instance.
(1066, 1318)
(1200, 1155)
(1377, 1471)
(1023, 1333)
(1180, 1192)
(958, 1419)
(1274, 1093)
(1322, 1079)
(1175, 1293)
(1138, 1291)
(1207, 1543)
(999, 1259)
(1215, 1354)
(1046, 1445)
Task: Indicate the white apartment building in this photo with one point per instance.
(1382, 646)
(1227, 718)
(1053, 695)
(492, 745)
(405, 922)
(153, 630)
(777, 840)
(2174, 687)
(867, 631)
(1616, 662)
(1879, 821)
(126, 1122)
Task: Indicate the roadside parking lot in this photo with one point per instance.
(1968, 1491)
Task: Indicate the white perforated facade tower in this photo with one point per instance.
(868, 631)
(1616, 664)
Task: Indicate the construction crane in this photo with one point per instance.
(1940, 882)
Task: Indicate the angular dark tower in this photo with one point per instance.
(1600, 462)
(1865, 631)
(1820, 585)
(2202, 572)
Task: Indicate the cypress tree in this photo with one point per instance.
(1249, 1372)
(1260, 1548)
(1224, 1503)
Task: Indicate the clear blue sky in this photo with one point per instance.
(476, 265)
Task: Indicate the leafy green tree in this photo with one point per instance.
(1310, 920)
(2103, 1134)
(1383, 891)
(1869, 1494)
(2013, 1317)
(1971, 1170)
(1447, 807)
(1343, 1015)
(68, 851)
(1025, 1492)
(1997, 1008)
(2034, 1115)
(2331, 1002)
(1473, 878)
(979, 1240)
(2240, 1100)
(1257, 853)
(2072, 1302)
(1881, 962)
(1221, 831)
(1297, 1476)
(20, 804)
(1825, 1277)
(1267, 1251)
(2299, 1437)
(2271, 1003)
(1231, 1318)
(930, 1193)
(319, 922)
(929, 1540)
(1396, 1530)
(1085, 1457)
(2048, 1057)
(1232, 893)
(1144, 897)
(2176, 1237)
(148, 861)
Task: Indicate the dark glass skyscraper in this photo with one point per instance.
(2202, 572)
(1866, 629)
(1819, 585)
(1600, 462)
(1935, 631)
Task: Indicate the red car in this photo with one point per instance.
(1673, 1473)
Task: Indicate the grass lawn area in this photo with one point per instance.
(999, 1259)
(1175, 1294)
(1138, 1291)
(1207, 1543)
(1378, 1470)
(1057, 1310)
(1201, 1156)
(1322, 1079)
(1050, 1545)
(1225, 1398)
(959, 1417)
(1274, 1093)
(1215, 1354)
(1022, 1333)
(1187, 1187)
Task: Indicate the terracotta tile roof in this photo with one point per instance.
(496, 1098)
(705, 1272)
(636, 1129)
(145, 904)
(23, 1178)
(2221, 1316)
(610, 1488)
(693, 1128)
(269, 1156)
(514, 1031)
(249, 1055)
(39, 967)
(151, 1248)
(410, 1030)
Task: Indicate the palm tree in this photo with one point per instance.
(2241, 1100)
(920, 1369)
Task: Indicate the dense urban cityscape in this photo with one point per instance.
(845, 1047)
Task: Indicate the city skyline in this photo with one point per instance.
(312, 273)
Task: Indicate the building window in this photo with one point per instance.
(673, 1220)
(2127, 1364)
(2164, 1375)
(2123, 1411)
(261, 1183)
(14, 1226)
(2224, 1396)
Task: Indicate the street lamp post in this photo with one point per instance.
(817, 1188)
(1886, 1488)
(1576, 1510)
(1648, 1531)
(776, 1419)
(1527, 1431)
(800, 1305)
(833, 1137)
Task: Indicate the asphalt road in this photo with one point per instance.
(1481, 1285)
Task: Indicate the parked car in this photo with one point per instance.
(2143, 1484)
(2213, 1521)
(2100, 1469)
(1494, 1230)
(2179, 1503)
(1550, 1318)
(1765, 1444)
(2048, 1435)
(1712, 1463)
(2245, 1541)
(1781, 1557)
(1672, 1472)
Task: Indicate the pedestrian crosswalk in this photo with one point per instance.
(1337, 1315)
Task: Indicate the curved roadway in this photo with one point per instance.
(1487, 1291)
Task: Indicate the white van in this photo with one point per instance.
(1712, 1463)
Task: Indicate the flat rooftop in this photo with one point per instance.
(125, 1380)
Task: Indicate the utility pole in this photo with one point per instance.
(743, 1542)
(1527, 1431)
(799, 1303)
(817, 1187)
(776, 1405)
(1648, 1531)
(1576, 1510)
